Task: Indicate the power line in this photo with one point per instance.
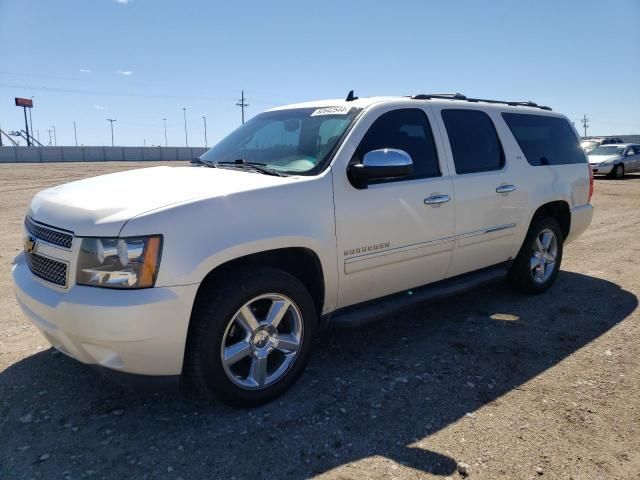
(242, 104)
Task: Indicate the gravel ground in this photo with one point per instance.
(489, 384)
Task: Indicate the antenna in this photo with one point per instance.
(350, 97)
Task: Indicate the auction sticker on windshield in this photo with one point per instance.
(337, 110)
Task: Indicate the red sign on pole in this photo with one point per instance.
(24, 102)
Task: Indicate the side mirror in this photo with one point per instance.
(381, 164)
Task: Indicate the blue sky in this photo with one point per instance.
(139, 61)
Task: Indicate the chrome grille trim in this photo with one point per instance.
(48, 269)
(48, 234)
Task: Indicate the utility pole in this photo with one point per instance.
(27, 127)
(49, 137)
(111, 120)
(205, 132)
(165, 132)
(75, 132)
(186, 135)
(31, 120)
(585, 124)
(144, 142)
(242, 104)
(55, 137)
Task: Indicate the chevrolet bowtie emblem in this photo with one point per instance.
(29, 244)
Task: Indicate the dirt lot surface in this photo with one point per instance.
(499, 384)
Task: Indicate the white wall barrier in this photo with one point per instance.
(97, 154)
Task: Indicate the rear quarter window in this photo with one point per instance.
(545, 140)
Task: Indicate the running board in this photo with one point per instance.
(373, 310)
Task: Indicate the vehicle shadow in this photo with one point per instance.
(627, 177)
(369, 391)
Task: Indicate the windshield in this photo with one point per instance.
(293, 141)
(608, 150)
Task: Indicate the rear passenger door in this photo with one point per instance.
(489, 203)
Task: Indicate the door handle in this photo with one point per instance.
(436, 200)
(503, 189)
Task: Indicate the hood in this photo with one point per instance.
(100, 206)
(596, 159)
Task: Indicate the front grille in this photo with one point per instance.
(50, 270)
(47, 234)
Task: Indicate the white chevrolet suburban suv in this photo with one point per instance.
(330, 212)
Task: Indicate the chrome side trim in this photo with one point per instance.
(501, 227)
(487, 230)
(398, 254)
(381, 258)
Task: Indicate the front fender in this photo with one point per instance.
(204, 234)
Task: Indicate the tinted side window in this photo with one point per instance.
(406, 129)
(545, 140)
(474, 141)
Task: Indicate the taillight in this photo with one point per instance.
(590, 183)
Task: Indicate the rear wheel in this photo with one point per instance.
(250, 339)
(538, 262)
(618, 171)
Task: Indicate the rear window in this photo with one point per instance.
(545, 140)
(607, 150)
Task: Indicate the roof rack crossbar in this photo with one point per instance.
(459, 96)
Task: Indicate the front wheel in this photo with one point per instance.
(251, 337)
(617, 172)
(538, 262)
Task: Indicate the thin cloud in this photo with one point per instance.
(126, 73)
(122, 2)
(85, 70)
(100, 107)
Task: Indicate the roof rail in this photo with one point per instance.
(459, 96)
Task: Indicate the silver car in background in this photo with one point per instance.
(590, 144)
(615, 160)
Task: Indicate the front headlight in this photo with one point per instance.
(119, 262)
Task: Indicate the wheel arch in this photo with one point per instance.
(301, 262)
(558, 210)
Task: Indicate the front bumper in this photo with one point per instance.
(602, 169)
(127, 331)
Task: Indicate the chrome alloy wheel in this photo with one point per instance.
(543, 256)
(262, 341)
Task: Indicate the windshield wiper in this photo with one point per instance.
(258, 167)
(201, 161)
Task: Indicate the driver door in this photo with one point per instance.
(390, 237)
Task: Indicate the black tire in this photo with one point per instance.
(521, 276)
(212, 314)
(617, 172)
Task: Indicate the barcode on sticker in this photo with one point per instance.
(337, 110)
